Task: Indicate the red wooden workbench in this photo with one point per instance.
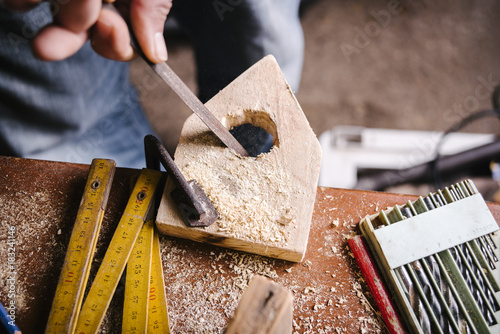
(203, 282)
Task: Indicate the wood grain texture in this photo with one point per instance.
(265, 307)
(281, 183)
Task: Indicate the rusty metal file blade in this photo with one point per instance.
(182, 90)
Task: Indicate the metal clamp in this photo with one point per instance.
(192, 202)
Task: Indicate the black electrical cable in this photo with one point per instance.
(433, 164)
(495, 98)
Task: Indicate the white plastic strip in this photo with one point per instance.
(436, 230)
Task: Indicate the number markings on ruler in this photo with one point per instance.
(118, 253)
(135, 305)
(157, 313)
(76, 268)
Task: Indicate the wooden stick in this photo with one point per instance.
(265, 307)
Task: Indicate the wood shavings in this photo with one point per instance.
(35, 210)
(309, 289)
(287, 218)
(213, 296)
(318, 307)
(252, 197)
(342, 300)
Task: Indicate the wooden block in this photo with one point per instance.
(265, 307)
(265, 203)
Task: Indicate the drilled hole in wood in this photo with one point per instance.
(255, 130)
(254, 139)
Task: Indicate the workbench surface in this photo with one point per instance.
(203, 282)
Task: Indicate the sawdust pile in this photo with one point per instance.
(251, 195)
(32, 216)
(202, 299)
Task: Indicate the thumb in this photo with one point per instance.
(147, 18)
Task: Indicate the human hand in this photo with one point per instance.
(75, 21)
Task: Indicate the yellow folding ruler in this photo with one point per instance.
(145, 307)
(76, 268)
(66, 316)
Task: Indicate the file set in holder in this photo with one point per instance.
(439, 256)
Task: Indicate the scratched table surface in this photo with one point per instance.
(38, 204)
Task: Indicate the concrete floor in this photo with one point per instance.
(417, 65)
